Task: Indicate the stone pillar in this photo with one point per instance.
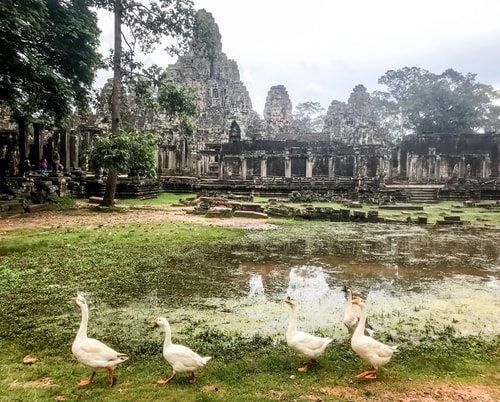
(65, 150)
(419, 168)
(432, 168)
(74, 150)
(221, 168)
(438, 168)
(263, 167)
(309, 166)
(243, 172)
(288, 167)
(205, 166)
(331, 167)
(408, 165)
(399, 163)
(485, 167)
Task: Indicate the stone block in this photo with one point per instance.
(250, 214)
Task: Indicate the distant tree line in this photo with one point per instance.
(418, 101)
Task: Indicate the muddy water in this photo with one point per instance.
(416, 280)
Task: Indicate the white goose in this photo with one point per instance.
(181, 358)
(304, 344)
(370, 350)
(91, 352)
(350, 319)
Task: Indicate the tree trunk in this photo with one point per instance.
(117, 69)
(22, 139)
(109, 194)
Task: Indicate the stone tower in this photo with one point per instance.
(225, 104)
(354, 122)
(278, 113)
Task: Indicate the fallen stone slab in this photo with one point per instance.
(250, 214)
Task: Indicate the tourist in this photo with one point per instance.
(26, 167)
(43, 166)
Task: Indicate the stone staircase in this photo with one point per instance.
(420, 194)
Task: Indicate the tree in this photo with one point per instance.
(127, 151)
(420, 101)
(309, 117)
(153, 98)
(49, 53)
(146, 24)
(150, 99)
(152, 102)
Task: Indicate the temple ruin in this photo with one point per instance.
(235, 149)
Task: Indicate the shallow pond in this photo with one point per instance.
(416, 280)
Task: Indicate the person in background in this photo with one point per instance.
(43, 165)
(26, 167)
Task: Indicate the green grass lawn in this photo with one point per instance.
(42, 268)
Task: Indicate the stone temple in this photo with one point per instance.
(235, 149)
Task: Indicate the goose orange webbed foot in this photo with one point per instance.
(88, 381)
(304, 368)
(169, 379)
(370, 374)
(193, 378)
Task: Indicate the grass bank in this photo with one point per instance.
(128, 269)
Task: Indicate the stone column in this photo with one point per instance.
(243, 172)
(485, 167)
(461, 167)
(417, 168)
(221, 168)
(309, 166)
(65, 150)
(399, 163)
(288, 167)
(171, 160)
(263, 167)
(438, 168)
(430, 164)
(408, 165)
(331, 167)
(74, 149)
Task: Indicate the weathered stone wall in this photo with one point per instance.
(438, 157)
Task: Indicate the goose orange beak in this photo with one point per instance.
(155, 321)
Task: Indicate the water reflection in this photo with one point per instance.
(413, 279)
(256, 287)
(307, 283)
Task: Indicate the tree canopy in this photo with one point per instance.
(150, 101)
(49, 53)
(309, 117)
(126, 151)
(420, 101)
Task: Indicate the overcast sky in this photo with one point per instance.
(321, 49)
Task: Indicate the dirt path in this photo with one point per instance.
(85, 216)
